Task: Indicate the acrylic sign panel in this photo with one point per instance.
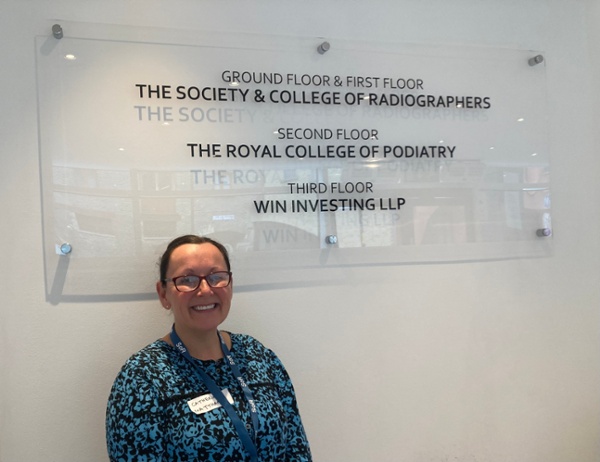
(297, 160)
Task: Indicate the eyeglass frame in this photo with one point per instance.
(200, 279)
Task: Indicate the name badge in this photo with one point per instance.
(207, 402)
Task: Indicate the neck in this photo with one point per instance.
(201, 345)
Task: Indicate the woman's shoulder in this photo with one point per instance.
(245, 341)
(152, 360)
(152, 352)
(253, 349)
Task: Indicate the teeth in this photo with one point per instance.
(203, 308)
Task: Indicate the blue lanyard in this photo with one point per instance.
(220, 397)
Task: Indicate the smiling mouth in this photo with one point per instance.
(204, 307)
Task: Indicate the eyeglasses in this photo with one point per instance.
(191, 282)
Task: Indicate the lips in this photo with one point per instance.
(204, 307)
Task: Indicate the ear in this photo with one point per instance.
(162, 295)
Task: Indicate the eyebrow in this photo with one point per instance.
(214, 269)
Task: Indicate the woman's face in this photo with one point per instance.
(205, 308)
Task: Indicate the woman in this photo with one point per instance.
(200, 394)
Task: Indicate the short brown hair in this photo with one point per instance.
(188, 239)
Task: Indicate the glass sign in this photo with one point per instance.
(303, 156)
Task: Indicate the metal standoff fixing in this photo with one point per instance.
(543, 232)
(536, 60)
(66, 248)
(57, 31)
(331, 239)
(323, 48)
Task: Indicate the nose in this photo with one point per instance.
(203, 287)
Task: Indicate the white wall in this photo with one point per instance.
(487, 362)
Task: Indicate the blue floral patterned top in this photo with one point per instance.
(148, 417)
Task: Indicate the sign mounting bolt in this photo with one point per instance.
(331, 239)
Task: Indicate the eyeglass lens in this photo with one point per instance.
(192, 282)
